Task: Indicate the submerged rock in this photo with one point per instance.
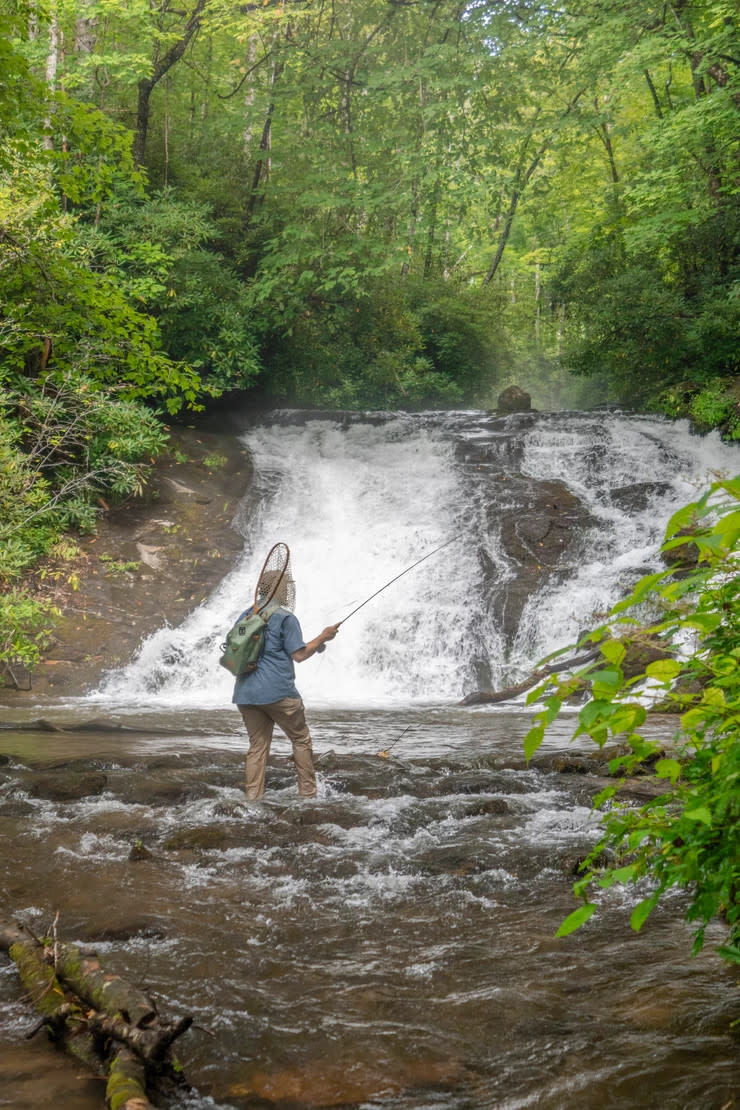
(203, 836)
(67, 786)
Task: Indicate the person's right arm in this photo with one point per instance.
(316, 644)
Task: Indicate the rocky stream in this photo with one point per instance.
(389, 945)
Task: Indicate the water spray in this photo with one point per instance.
(385, 587)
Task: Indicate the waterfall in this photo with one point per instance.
(601, 460)
(358, 501)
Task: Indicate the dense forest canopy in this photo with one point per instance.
(393, 203)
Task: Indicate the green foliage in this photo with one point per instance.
(647, 327)
(61, 315)
(716, 407)
(648, 275)
(25, 629)
(580, 158)
(160, 251)
(404, 344)
(688, 837)
(63, 445)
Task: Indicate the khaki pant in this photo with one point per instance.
(288, 714)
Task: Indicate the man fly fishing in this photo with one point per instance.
(266, 694)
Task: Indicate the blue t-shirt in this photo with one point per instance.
(275, 675)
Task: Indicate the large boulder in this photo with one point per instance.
(514, 399)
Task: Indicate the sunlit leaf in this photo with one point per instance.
(668, 769)
(665, 670)
(613, 651)
(574, 920)
(641, 912)
(532, 740)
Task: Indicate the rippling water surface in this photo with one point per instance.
(388, 945)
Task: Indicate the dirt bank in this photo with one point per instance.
(150, 563)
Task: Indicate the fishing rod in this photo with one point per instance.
(416, 564)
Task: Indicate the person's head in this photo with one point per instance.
(284, 593)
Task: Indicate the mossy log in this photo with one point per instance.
(100, 989)
(98, 1018)
(150, 1045)
(126, 1085)
(62, 1015)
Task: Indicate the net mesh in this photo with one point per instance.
(275, 585)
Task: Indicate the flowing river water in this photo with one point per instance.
(389, 945)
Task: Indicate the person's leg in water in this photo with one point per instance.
(289, 715)
(259, 726)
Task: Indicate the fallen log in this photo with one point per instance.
(100, 989)
(99, 1018)
(150, 1045)
(126, 1085)
(63, 1017)
(481, 697)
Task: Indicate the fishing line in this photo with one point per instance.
(386, 753)
(406, 571)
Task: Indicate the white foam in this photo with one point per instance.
(359, 504)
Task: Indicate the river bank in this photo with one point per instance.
(150, 563)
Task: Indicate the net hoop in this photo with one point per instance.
(273, 575)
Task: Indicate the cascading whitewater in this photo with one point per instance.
(357, 502)
(599, 460)
(355, 506)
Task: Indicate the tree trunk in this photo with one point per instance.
(52, 64)
(86, 28)
(262, 166)
(482, 697)
(522, 178)
(104, 1022)
(160, 67)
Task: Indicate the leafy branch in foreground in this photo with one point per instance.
(25, 630)
(688, 837)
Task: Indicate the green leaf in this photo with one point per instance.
(618, 875)
(574, 920)
(645, 586)
(532, 740)
(641, 912)
(732, 485)
(593, 712)
(713, 696)
(699, 813)
(705, 622)
(681, 519)
(554, 706)
(606, 794)
(627, 717)
(668, 769)
(693, 719)
(665, 670)
(613, 651)
(606, 683)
